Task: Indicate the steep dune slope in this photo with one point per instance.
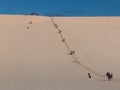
(32, 56)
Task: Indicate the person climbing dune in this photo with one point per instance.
(109, 76)
(89, 75)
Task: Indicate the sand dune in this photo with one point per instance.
(32, 56)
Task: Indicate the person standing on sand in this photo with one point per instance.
(89, 75)
(109, 76)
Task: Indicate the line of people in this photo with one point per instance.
(108, 74)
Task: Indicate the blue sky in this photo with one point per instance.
(61, 7)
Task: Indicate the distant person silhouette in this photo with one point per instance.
(109, 76)
(89, 75)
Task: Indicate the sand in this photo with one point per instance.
(32, 56)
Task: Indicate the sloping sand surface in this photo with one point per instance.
(32, 56)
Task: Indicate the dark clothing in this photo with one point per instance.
(109, 75)
(89, 75)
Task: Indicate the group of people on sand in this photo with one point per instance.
(108, 75)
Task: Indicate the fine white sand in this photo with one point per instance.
(32, 56)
